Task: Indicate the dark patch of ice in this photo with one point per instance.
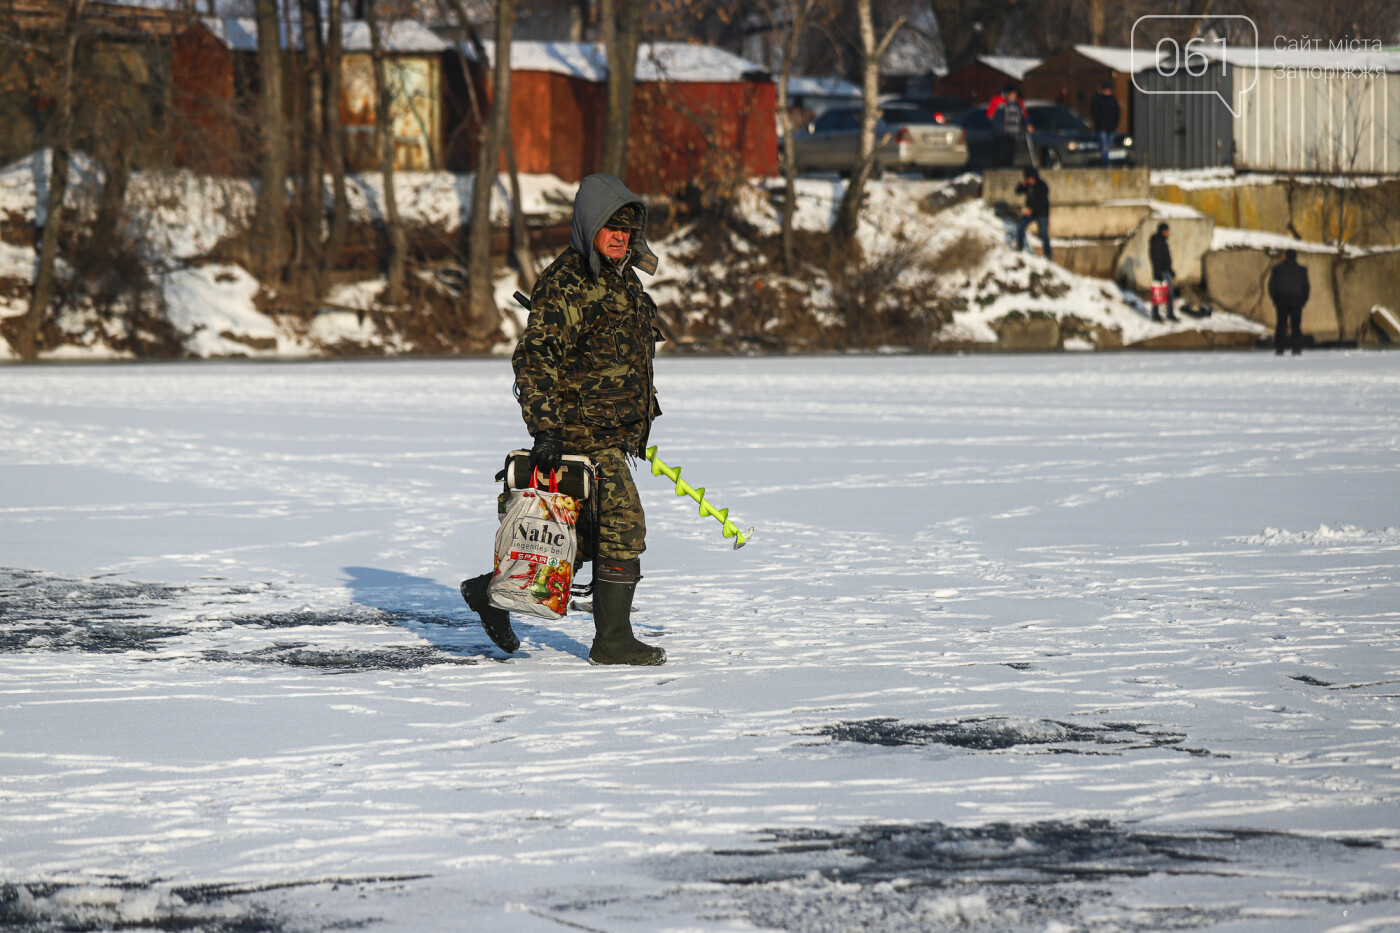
(122, 904)
(49, 908)
(342, 660)
(997, 733)
(1009, 877)
(48, 612)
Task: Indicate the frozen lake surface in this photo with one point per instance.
(1041, 643)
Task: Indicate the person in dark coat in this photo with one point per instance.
(1037, 209)
(1288, 289)
(1161, 256)
(1105, 112)
(1010, 123)
(584, 377)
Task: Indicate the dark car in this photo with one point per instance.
(1059, 136)
(914, 141)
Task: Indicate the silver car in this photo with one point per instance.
(913, 140)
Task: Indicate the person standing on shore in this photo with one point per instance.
(1289, 290)
(1160, 253)
(1010, 124)
(1036, 211)
(1105, 112)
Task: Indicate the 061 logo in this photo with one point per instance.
(1155, 49)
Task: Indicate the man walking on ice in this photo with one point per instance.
(583, 371)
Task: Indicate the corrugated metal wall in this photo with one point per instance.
(1296, 121)
(1176, 127)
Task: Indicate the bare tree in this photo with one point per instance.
(335, 139)
(32, 325)
(620, 23)
(872, 50)
(519, 235)
(311, 191)
(384, 129)
(269, 245)
(1098, 15)
(792, 16)
(480, 280)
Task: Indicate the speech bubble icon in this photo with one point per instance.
(1167, 57)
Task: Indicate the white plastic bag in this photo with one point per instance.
(535, 548)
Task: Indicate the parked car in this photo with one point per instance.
(914, 141)
(944, 109)
(1060, 137)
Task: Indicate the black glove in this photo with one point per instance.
(548, 449)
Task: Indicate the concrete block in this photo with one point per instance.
(1019, 332)
(1070, 185)
(1097, 221)
(1189, 241)
(1387, 322)
(1098, 258)
(1199, 340)
(1313, 212)
(1237, 280)
(1364, 283)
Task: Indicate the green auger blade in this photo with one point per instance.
(660, 468)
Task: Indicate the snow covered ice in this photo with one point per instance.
(1041, 643)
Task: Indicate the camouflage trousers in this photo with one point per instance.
(622, 526)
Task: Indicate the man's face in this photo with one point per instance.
(612, 242)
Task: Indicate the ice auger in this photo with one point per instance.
(659, 468)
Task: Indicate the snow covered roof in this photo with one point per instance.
(1324, 59)
(1117, 58)
(656, 61)
(1014, 66)
(403, 36)
(829, 86)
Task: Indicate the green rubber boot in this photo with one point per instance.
(496, 621)
(612, 617)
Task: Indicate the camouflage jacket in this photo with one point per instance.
(584, 363)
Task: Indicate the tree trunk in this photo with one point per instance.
(796, 13)
(519, 234)
(313, 186)
(384, 127)
(478, 49)
(848, 214)
(116, 179)
(485, 316)
(335, 142)
(621, 22)
(31, 327)
(270, 220)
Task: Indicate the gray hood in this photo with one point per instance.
(599, 197)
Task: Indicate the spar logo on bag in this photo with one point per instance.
(535, 547)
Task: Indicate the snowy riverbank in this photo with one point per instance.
(935, 271)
